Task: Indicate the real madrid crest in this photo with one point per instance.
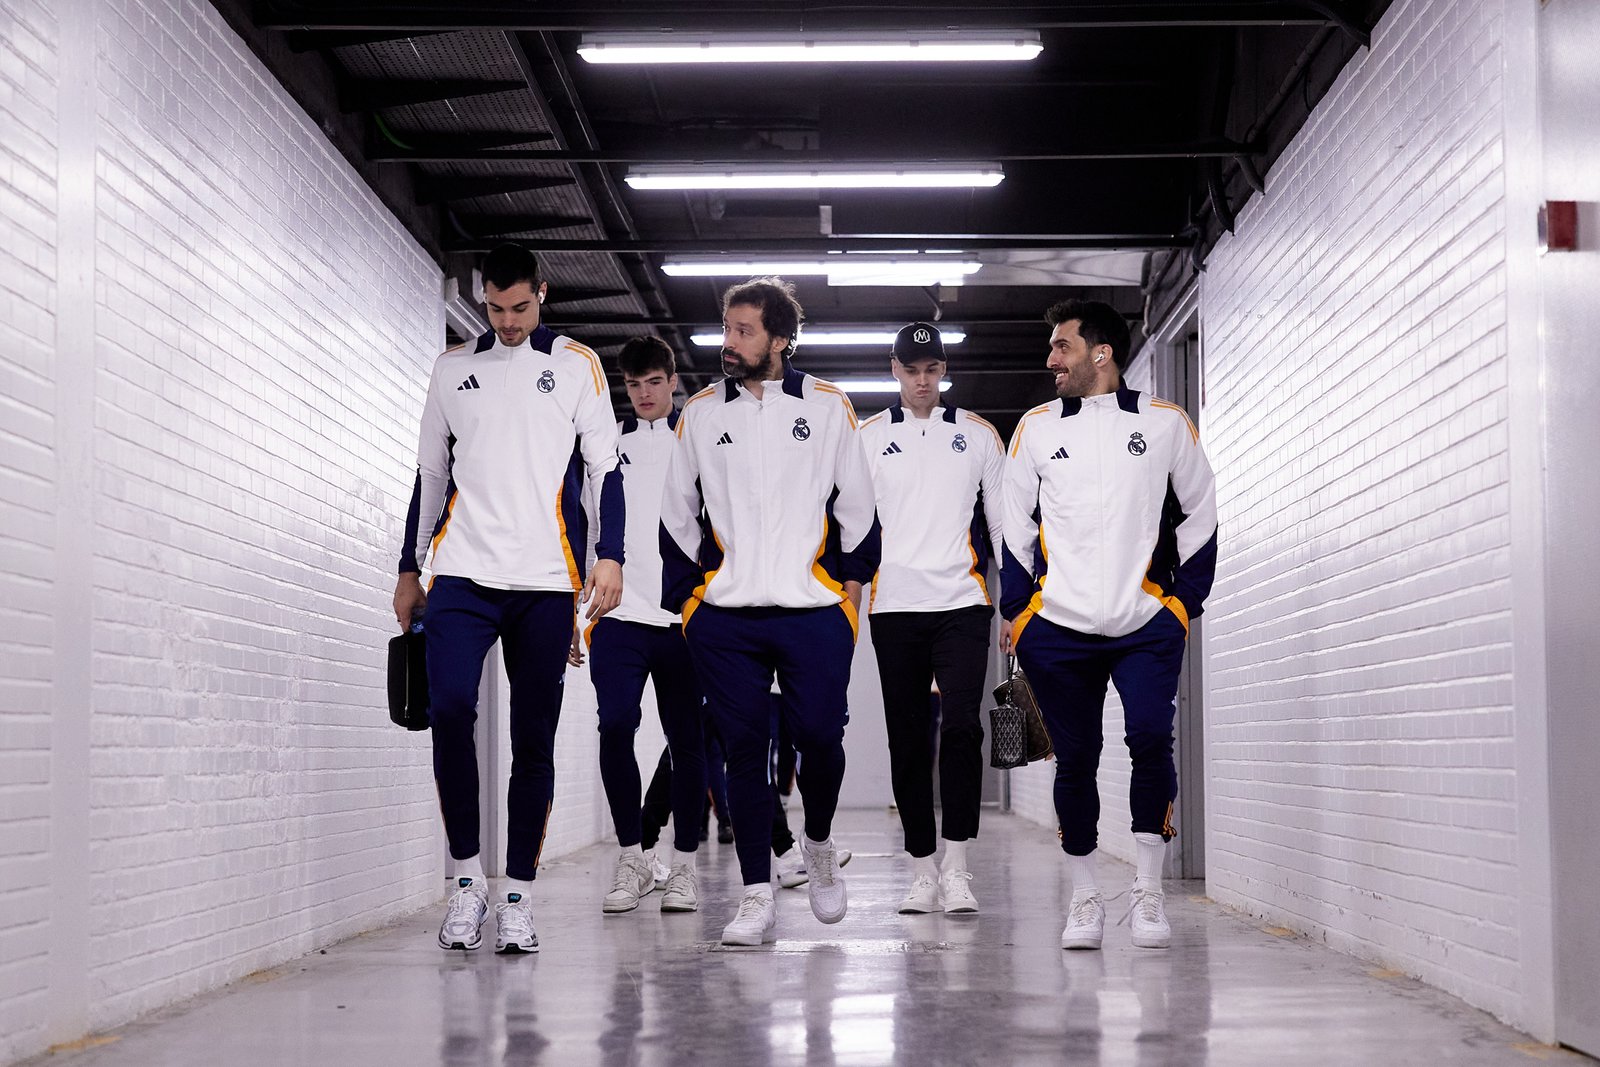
(801, 431)
(959, 442)
(1136, 445)
(547, 382)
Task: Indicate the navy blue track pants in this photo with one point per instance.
(736, 652)
(1068, 671)
(462, 621)
(623, 654)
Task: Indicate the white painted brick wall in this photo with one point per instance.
(28, 36)
(1359, 700)
(263, 327)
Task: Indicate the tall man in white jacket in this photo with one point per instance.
(513, 424)
(767, 533)
(936, 470)
(1110, 548)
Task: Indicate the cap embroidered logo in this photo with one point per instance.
(922, 337)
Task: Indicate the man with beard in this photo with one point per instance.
(937, 473)
(513, 424)
(767, 534)
(1110, 547)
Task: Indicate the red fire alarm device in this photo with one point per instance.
(1558, 226)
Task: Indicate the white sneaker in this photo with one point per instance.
(955, 893)
(755, 921)
(1086, 921)
(464, 914)
(659, 870)
(791, 866)
(683, 889)
(1150, 926)
(923, 897)
(631, 881)
(825, 887)
(514, 927)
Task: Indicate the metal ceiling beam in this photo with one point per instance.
(488, 227)
(440, 188)
(375, 94)
(479, 147)
(910, 244)
(789, 15)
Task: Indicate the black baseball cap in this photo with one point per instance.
(920, 340)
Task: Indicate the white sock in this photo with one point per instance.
(469, 868)
(816, 846)
(636, 851)
(674, 858)
(1152, 850)
(925, 867)
(1082, 870)
(955, 855)
(764, 888)
(516, 889)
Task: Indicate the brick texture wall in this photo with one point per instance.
(260, 331)
(28, 42)
(1362, 760)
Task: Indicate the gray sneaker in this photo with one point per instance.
(683, 889)
(632, 880)
(464, 914)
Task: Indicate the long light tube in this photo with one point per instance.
(841, 176)
(809, 338)
(839, 270)
(876, 385)
(982, 46)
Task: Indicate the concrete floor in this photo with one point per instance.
(878, 988)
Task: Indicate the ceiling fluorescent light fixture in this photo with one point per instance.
(817, 337)
(920, 271)
(981, 46)
(842, 176)
(877, 385)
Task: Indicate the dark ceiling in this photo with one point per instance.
(1129, 145)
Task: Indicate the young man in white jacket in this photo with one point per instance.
(936, 470)
(1110, 548)
(640, 640)
(767, 534)
(514, 423)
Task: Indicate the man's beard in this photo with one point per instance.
(740, 371)
(1075, 383)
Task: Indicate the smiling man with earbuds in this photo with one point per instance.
(514, 423)
(1110, 546)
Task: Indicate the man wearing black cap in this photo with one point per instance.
(936, 471)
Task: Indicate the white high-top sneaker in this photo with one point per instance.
(755, 921)
(826, 887)
(1086, 921)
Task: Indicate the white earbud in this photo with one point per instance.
(541, 297)
(1097, 359)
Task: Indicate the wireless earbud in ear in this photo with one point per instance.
(1100, 358)
(541, 296)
